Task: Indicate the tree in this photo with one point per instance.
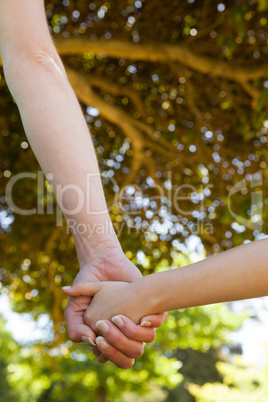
(175, 95)
(9, 351)
(185, 117)
(30, 373)
(39, 372)
(240, 383)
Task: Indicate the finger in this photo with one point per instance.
(133, 331)
(96, 351)
(102, 359)
(118, 340)
(154, 321)
(77, 330)
(114, 355)
(82, 289)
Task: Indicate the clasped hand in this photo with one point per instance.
(121, 339)
(110, 299)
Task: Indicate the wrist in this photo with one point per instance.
(146, 291)
(94, 240)
(95, 248)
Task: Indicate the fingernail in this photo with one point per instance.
(101, 343)
(66, 287)
(88, 340)
(146, 323)
(117, 320)
(102, 326)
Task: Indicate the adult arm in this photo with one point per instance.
(58, 134)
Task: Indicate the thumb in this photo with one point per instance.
(83, 289)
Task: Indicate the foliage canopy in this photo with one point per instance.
(175, 95)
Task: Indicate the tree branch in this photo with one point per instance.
(151, 134)
(252, 92)
(117, 90)
(114, 114)
(155, 51)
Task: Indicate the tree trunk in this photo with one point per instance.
(101, 394)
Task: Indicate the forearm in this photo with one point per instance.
(55, 126)
(23, 28)
(239, 273)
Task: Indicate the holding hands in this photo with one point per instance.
(237, 274)
(59, 137)
(121, 339)
(111, 298)
(58, 134)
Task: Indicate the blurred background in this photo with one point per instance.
(175, 95)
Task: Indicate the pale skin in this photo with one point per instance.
(59, 137)
(236, 274)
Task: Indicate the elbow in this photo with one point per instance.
(27, 62)
(50, 60)
(27, 71)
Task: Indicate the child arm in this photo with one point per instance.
(239, 273)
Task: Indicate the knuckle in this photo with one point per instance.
(73, 335)
(109, 352)
(87, 319)
(131, 332)
(115, 339)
